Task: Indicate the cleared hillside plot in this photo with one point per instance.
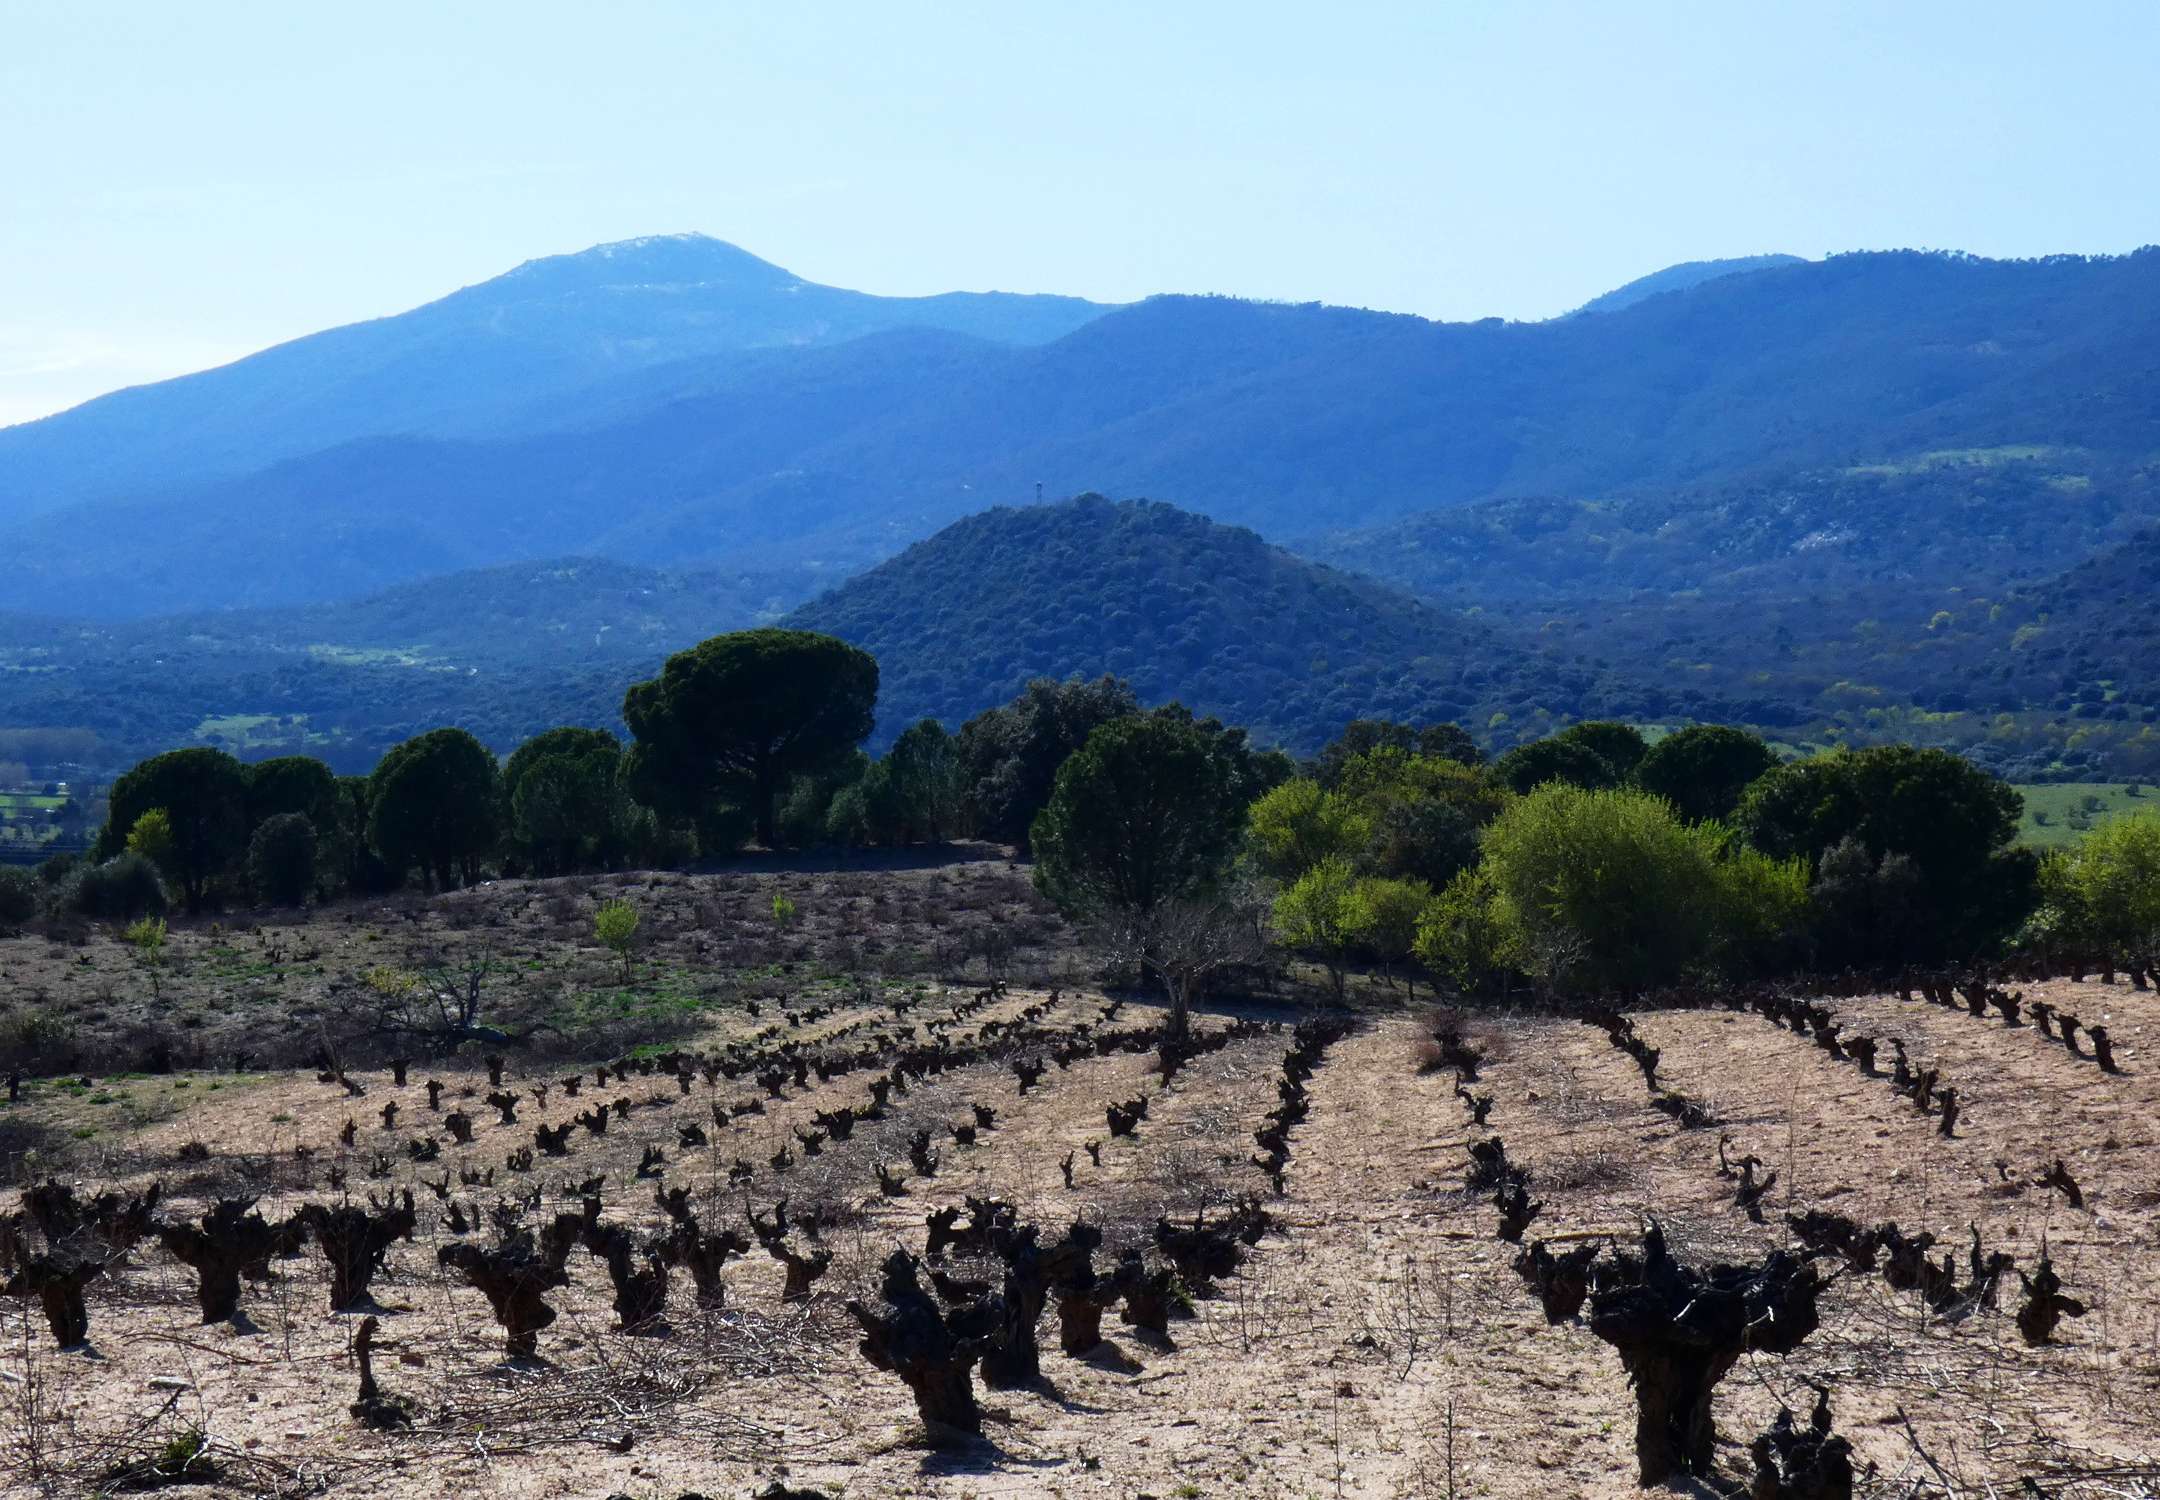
(2059, 813)
(776, 1245)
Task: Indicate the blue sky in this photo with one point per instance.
(181, 184)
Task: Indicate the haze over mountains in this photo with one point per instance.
(491, 359)
(498, 506)
(679, 403)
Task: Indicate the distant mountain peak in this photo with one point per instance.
(673, 260)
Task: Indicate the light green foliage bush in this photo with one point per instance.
(1612, 889)
(147, 938)
(615, 924)
(1318, 913)
(2107, 888)
(1297, 825)
(152, 837)
(1468, 932)
(1384, 916)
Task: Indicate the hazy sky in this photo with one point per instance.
(180, 184)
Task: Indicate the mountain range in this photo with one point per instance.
(788, 448)
(502, 505)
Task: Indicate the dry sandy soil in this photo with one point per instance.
(1376, 1343)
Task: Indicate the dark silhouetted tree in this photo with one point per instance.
(1527, 767)
(1010, 755)
(433, 803)
(281, 859)
(1703, 769)
(1952, 820)
(204, 794)
(741, 715)
(1149, 810)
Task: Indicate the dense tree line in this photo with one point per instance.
(1592, 858)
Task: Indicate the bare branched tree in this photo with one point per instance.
(441, 1003)
(1183, 944)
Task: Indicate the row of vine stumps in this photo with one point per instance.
(1679, 1327)
(970, 1299)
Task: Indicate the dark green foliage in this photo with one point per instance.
(1528, 767)
(56, 872)
(1865, 905)
(916, 793)
(1445, 741)
(567, 808)
(204, 792)
(432, 804)
(925, 784)
(1146, 812)
(1180, 607)
(1951, 819)
(567, 739)
(1424, 838)
(1620, 746)
(281, 859)
(361, 869)
(823, 805)
(743, 714)
(293, 784)
(119, 889)
(1010, 755)
(1703, 769)
(19, 896)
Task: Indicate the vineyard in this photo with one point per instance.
(1009, 1237)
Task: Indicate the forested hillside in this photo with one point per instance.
(1679, 278)
(1295, 420)
(1958, 518)
(503, 651)
(1188, 609)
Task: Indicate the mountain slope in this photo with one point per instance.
(1297, 421)
(1932, 519)
(506, 354)
(1679, 278)
(1182, 607)
(504, 652)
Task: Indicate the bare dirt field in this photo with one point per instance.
(1375, 1341)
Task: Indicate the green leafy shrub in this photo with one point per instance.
(1468, 932)
(121, 889)
(18, 896)
(37, 1040)
(616, 925)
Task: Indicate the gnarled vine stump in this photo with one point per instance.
(57, 1281)
(1679, 1330)
(355, 1242)
(932, 1351)
(515, 1276)
(230, 1238)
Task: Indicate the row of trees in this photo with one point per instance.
(1592, 858)
(752, 735)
